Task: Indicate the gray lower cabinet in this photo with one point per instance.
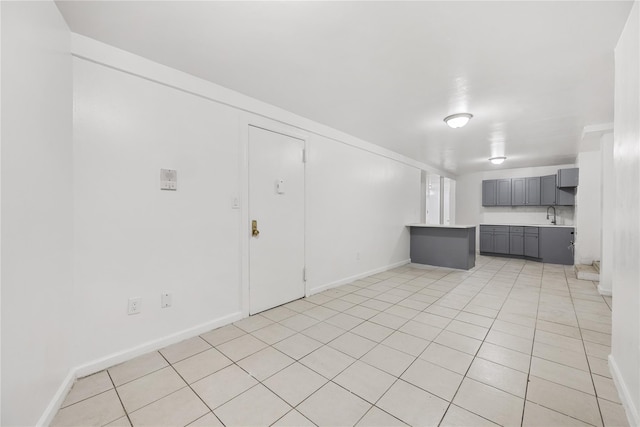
(486, 241)
(551, 244)
(516, 240)
(494, 239)
(556, 245)
(501, 243)
(531, 243)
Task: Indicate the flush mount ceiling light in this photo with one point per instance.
(458, 120)
(497, 160)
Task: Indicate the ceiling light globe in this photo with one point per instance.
(497, 160)
(455, 121)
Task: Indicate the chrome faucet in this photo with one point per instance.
(554, 214)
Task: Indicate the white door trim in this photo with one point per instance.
(245, 121)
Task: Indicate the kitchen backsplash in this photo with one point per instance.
(526, 215)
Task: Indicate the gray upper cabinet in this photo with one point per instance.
(566, 196)
(551, 195)
(503, 192)
(568, 177)
(489, 192)
(548, 190)
(533, 191)
(518, 197)
(525, 191)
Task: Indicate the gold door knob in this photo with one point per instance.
(254, 228)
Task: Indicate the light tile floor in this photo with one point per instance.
(509, 343)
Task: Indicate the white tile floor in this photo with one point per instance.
(509, 343)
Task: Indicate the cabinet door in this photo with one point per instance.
(533, 191)
(568, 177)
(566, 196)
(518, 191)
(489, 192)
(516, 244)
(501, 243)
(503, 192)
(548, 190)
(556, 245)
(486, 242)
(531, 245)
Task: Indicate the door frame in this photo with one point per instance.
(245, 232)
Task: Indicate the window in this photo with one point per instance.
(439, 200)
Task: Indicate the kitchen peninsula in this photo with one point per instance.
(451, 246)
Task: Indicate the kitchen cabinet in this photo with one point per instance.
(548, 190)
(503, 192)
(494, 239)
(531, 242)
(516, 240)
(496, 192)
(552, 195)
(552, 244)
(518, 190)
(566, 197)
(568, 177)
(489, 192)
(556, 245)
(525, 191)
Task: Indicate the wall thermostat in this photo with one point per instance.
(168, 179)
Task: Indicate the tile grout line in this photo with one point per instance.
(476, 354)
(126, 413)
(533, 343)
(595, 391)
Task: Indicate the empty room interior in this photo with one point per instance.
(320, 213)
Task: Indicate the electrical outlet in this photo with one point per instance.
(165, 300)
(135, 305)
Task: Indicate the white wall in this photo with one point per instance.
(588, 216)
(608, 214)
(625, 351)
(134, 240)
(469, 209)
(36, 208)
(357, 205)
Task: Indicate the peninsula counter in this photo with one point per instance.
(451, 246)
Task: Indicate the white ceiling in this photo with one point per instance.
(533, 74)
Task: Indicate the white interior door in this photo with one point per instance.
(276, 204)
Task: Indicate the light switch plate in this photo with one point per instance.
(168, 179)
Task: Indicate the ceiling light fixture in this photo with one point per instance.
(497, 160)
(458, 120)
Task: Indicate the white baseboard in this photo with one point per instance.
(355, 277)
(124, 355)
(58, 399)
(625, 396)
(603, 291)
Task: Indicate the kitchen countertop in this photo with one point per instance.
(531, 225)
(441, 226)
